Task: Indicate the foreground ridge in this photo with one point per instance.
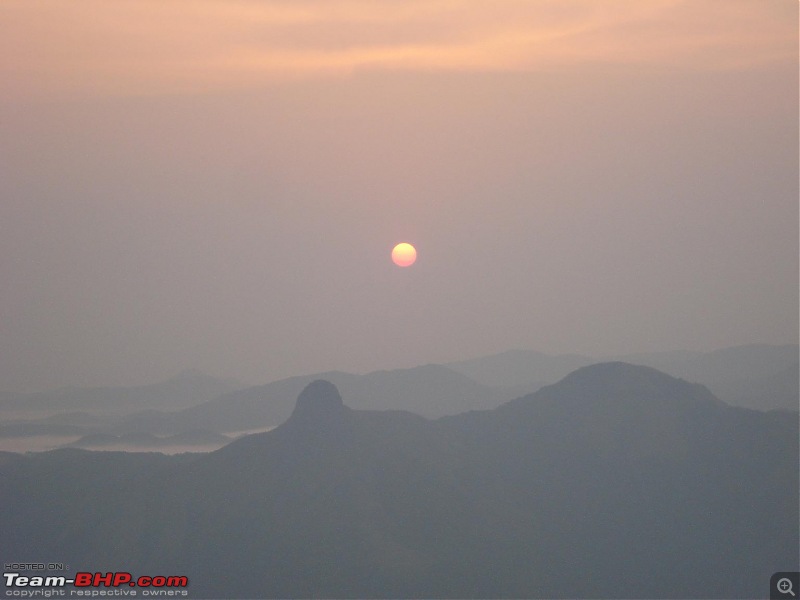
(614, 473)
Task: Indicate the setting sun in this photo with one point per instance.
(404, 255)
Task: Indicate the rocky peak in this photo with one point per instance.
(319, 402)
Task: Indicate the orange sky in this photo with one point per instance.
(149, 47)
(218, 184)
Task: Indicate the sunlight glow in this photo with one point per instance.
(148, 46)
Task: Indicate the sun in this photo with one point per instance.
(404, 254)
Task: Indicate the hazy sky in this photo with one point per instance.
(218, 184)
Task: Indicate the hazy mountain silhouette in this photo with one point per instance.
(739, 362)
(431, 391)
(618, 481)
(185, 389)
(753, 376)
(520, 367)
(774, 391)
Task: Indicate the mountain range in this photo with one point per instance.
(618, 481)
(430, 390)
(187, 388)
(755, 376)
(758, 376)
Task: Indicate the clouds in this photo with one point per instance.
(146, 47)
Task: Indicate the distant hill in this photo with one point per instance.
(739, 362)
(186, 389)
(619, 481)
(753, 376)
(431, 391)
(777, 390)
(520, 367)
(756, 376)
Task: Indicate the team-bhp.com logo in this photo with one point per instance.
(88, 584)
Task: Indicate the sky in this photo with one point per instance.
(218, 184)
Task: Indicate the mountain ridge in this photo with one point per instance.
(613, 472)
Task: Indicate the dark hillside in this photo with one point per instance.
(645, 485)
